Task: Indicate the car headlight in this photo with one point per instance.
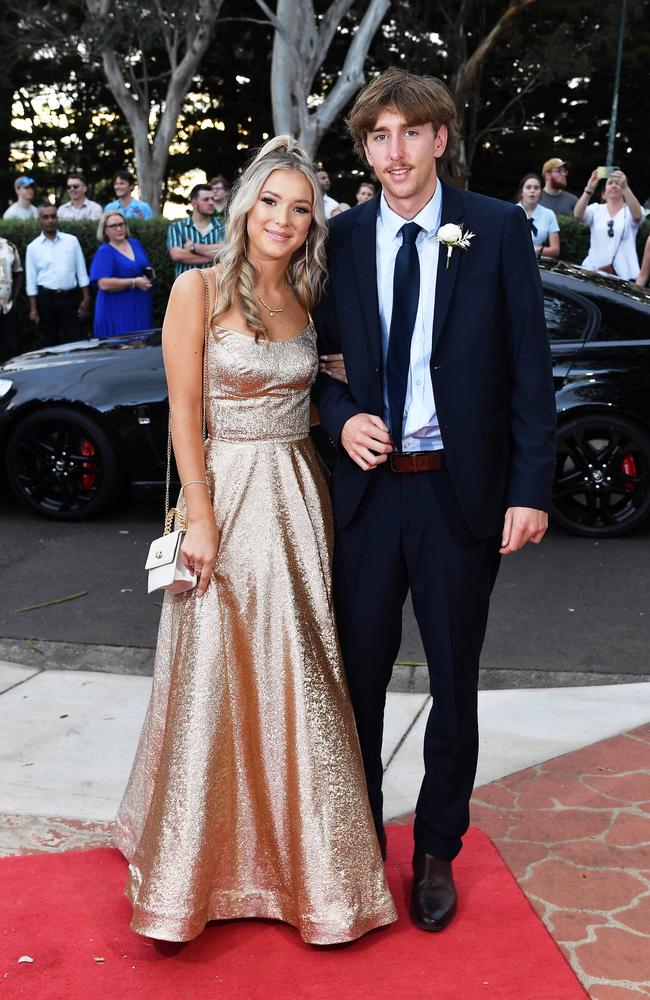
(5, 386)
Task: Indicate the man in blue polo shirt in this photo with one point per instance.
(194, 241)
(130, 207)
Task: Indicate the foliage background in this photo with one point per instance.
(546, 88)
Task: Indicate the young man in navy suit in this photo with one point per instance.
(446, 436)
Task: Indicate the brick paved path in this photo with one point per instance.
(575, 832)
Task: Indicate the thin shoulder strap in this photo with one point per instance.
(206, 334)
(170, 512)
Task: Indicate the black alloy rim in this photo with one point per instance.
(602, 477)
(58, 466)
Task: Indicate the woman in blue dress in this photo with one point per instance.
(124, 291)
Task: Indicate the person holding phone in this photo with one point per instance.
(123, 275)
(613, 224)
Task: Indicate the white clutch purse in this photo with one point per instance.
(165, 567)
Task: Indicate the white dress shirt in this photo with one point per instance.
(56, 264)
(420, 430)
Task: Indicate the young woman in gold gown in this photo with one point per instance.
(247, 797)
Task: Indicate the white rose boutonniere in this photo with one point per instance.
(453, 236)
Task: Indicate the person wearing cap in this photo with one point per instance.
(24, 207)
(555, 195)
(79, 207)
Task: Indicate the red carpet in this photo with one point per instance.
(67, 910)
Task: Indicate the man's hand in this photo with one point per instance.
(84, 308)
(366, 439)
(521, 525)
(33, 314)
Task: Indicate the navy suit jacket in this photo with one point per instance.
(490, 360)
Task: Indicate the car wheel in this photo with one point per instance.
(602, 476)
(62, 463)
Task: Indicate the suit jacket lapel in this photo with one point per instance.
(452, 211)
(364, 243)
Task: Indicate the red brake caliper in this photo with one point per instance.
(87, 478)
(628, 468)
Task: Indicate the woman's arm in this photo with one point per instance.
(122, 284)
(631, 200)
(644, 273)
(182, 340)
(580, 206)
(553, 248)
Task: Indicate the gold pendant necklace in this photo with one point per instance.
(274, 312)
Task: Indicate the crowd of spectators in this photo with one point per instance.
(58, 286)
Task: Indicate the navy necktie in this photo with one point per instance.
(406, 294)
(533, 227)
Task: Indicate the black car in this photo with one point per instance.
(83, 422)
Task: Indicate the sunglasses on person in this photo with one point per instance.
(115, 225)
(610, 227)
(73, 187)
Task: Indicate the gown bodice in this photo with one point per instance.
(259, 390)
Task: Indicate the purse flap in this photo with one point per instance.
(164, 550)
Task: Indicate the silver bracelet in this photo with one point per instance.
(191, 483)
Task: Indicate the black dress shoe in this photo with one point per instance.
(433, 899)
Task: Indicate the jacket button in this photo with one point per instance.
(376, 371)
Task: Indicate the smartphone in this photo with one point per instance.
(605, 172)
(149, 273)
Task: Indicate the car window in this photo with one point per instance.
(623, 320)
(568, 317)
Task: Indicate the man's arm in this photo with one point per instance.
(364, 436)
(82, 278)
(532, 397)
(31, 283)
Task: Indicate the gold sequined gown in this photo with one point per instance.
(247, 796)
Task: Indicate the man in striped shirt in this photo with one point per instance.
(193, 242)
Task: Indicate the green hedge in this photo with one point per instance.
(152, 233)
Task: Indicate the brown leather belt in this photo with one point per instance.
(417, 461)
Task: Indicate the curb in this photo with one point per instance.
(408, 678)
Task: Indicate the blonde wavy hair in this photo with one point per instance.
(307, 268)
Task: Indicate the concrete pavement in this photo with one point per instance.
(69, 737)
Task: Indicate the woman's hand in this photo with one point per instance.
(142, 283)
(334, 366)
(593, 181)
(620, 178)
(199, 550)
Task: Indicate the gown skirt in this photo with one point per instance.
(247, 796)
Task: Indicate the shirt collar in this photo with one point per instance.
(536, 212)
(43, 238)
(428, 218)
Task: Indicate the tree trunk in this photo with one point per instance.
(465, 86)
(300, 46)
(151, 155)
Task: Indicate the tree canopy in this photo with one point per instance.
(532, 78)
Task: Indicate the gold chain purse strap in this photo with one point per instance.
(171, 513)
